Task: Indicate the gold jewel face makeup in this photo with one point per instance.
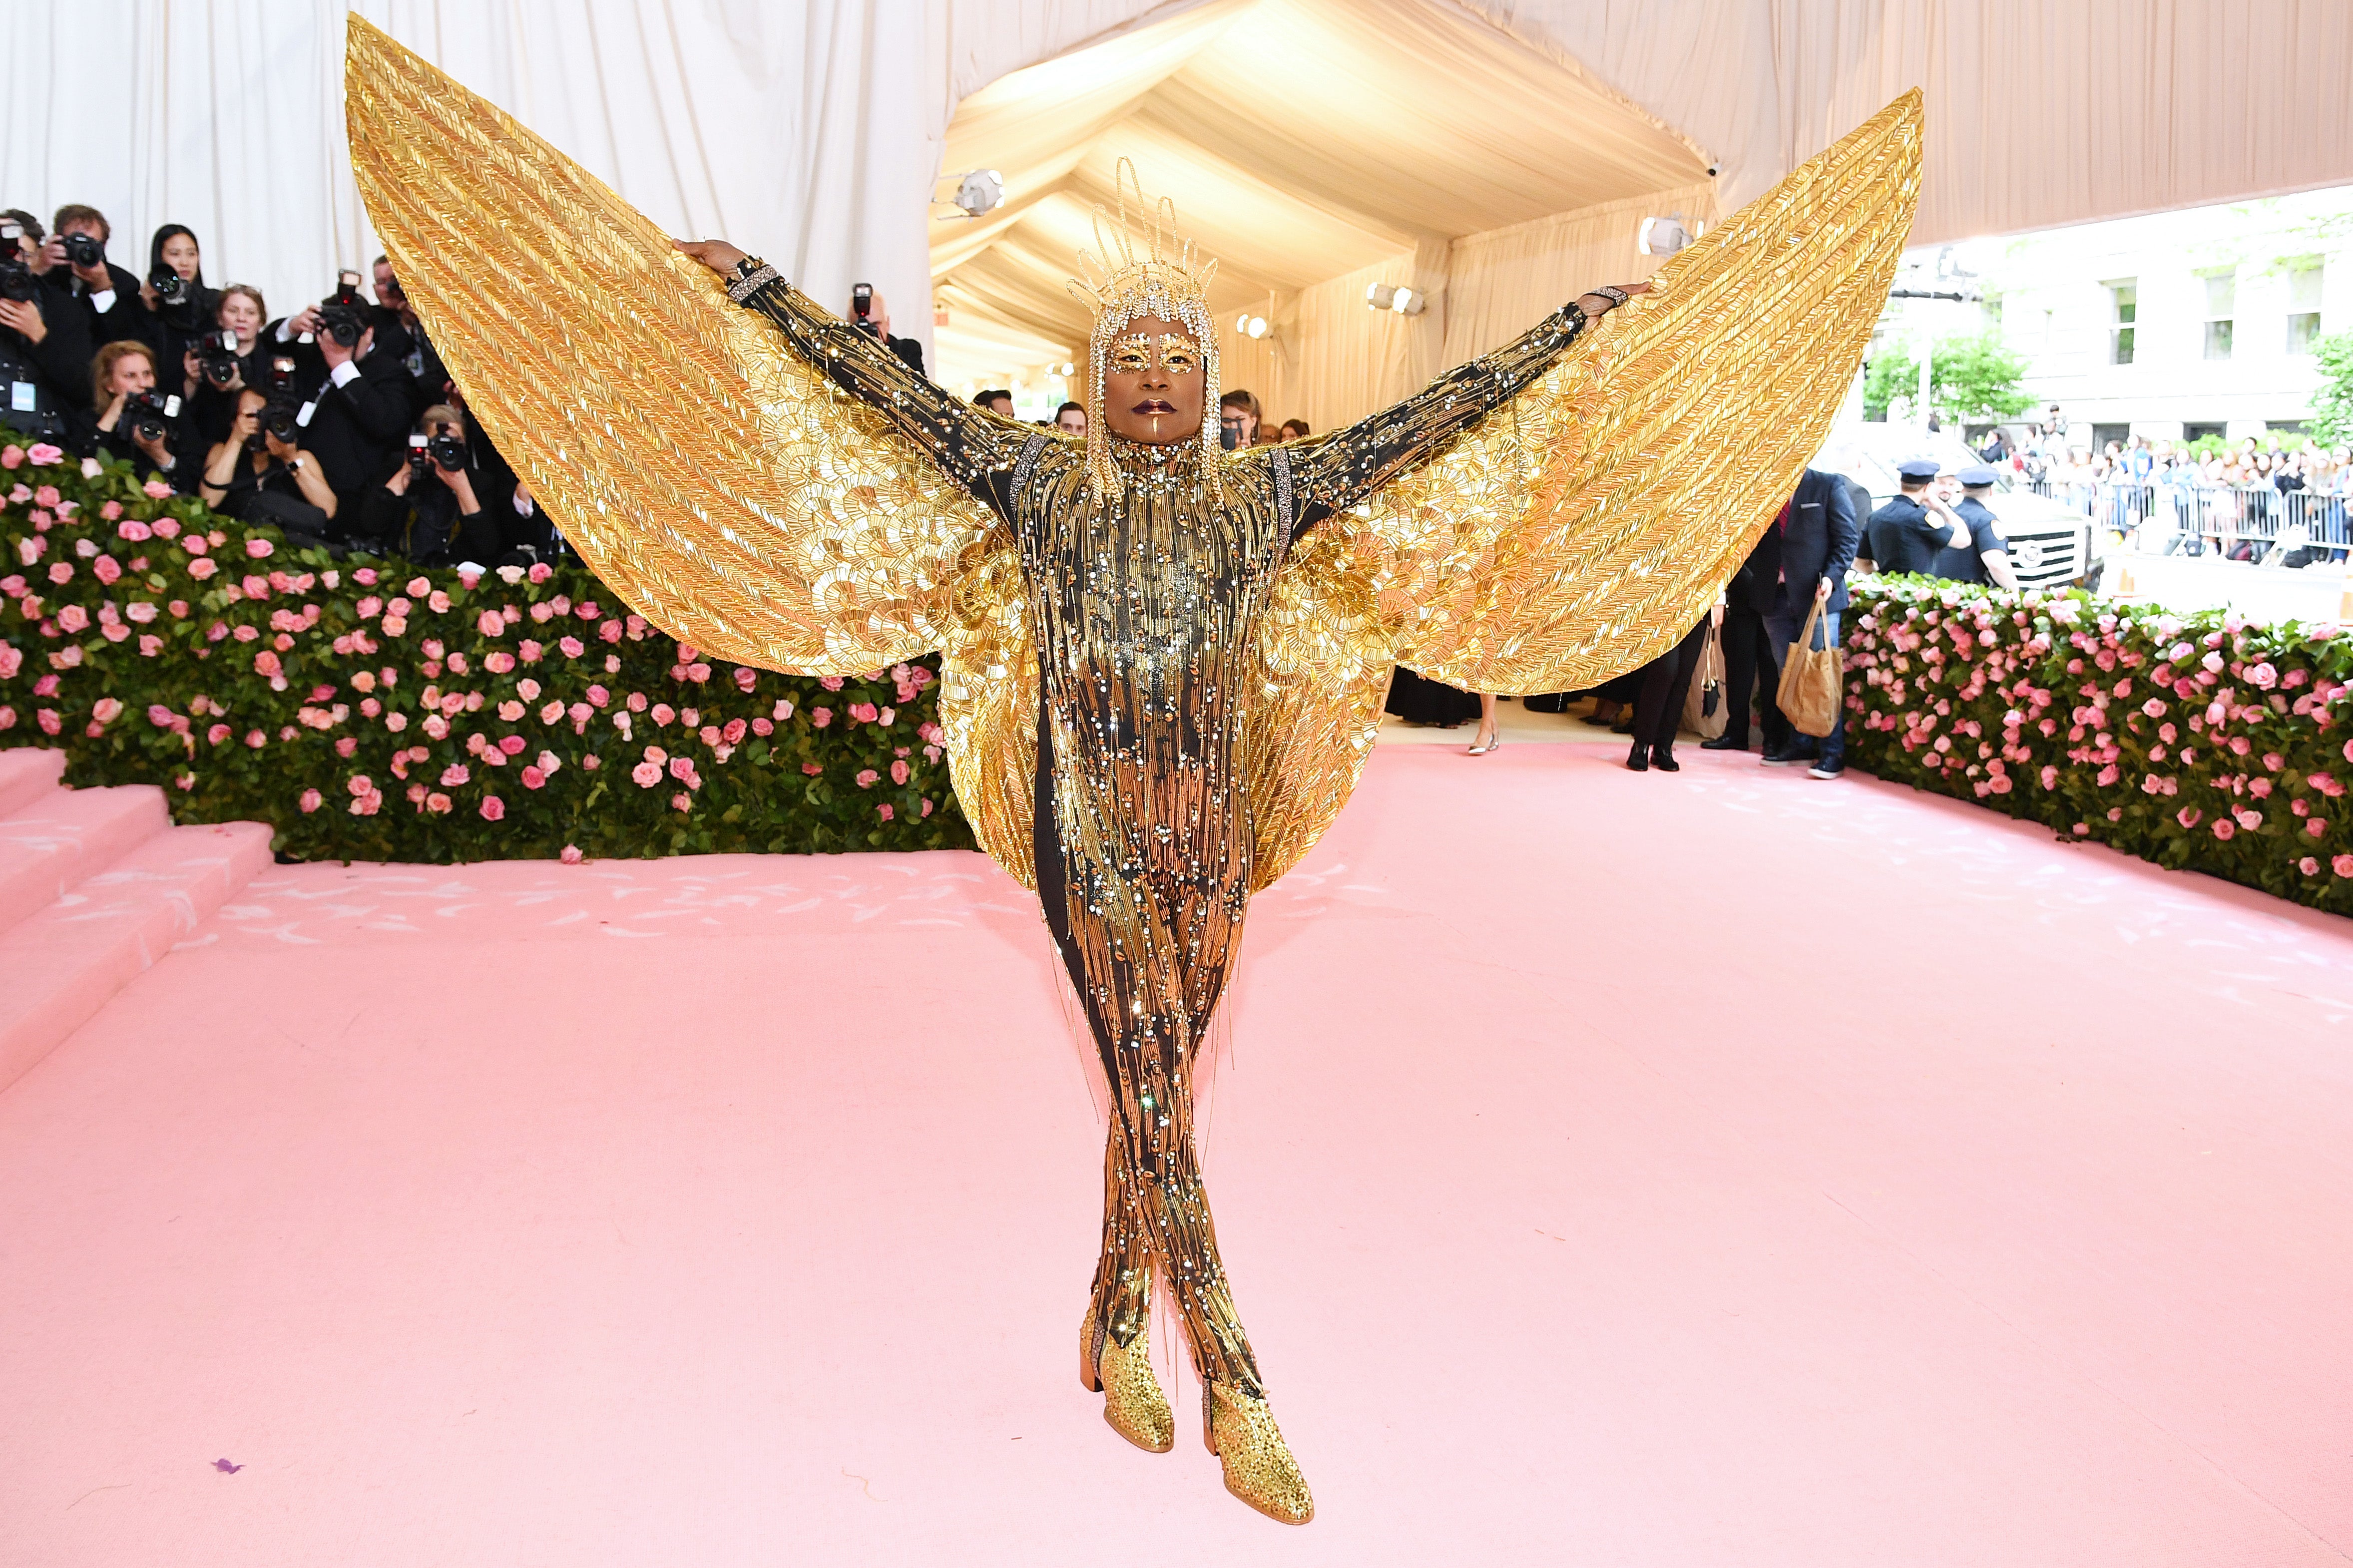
(1153, 374)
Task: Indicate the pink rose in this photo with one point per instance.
(49, 720)
(571, 855)
(866, 777)
(260, 549)
(107, 569)
(783, 710)
(2308, 866)
(2225, 827)
(73, 619)
(310, 801)
(107, 710)
(43, 454)
(158, 489)
(205, 566)
(490, 624)
(499, 663)
(681, 802)
(2342, 865)
(811, 769)
(745, 679)
(453, 775)
(884, 811)
(663, 712)
(61, 572)
(646, 774)
(437, 802)
(2262, 676)
(529, 651)
(266, 662)
(11, 457)
(532, 778)
(572, 647)
(863, 712)
(492, 808)
(898, 771)
(539, 571)
(2188, 816)
(821, 717)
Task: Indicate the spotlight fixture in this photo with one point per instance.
(1391, 297)
(1066, 370)
(980, 191)
(1664, 236)
(1250, 326)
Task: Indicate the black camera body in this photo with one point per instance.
(16, 279)
(84, 250)
(150, 413)
(280, 417)
(861, 311)
(217, 359)
(170, 287)
(343, 314)
(428, 452)
(280, 376)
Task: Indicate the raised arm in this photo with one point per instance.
(1351, 464)
(972, 447)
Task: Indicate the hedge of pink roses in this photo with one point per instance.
(374, 711)
(2206, 742)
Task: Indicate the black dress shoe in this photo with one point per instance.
(1781, 756)
(1728, 741)
(1625, 725)
(1639, 759)
(1663, 757)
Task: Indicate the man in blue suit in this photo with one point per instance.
(1819, 534)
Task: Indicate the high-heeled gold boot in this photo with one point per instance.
(1241, 1430)
(1133, 1404)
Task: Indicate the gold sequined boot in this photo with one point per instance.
(1132, 1403)
(1241, 1430)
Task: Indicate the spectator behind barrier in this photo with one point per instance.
(997, 400)
(133, 419)
(78, 270)
(45, 348)
(1071, 417)
(1238, 420)
(1293, 429)
(429, 512)
(260, 474)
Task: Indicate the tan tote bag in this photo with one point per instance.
(1703, 704)
(1813, 682)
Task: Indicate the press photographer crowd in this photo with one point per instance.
(337, 423)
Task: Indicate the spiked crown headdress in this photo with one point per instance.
(1138, 270)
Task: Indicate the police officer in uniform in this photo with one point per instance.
(1986, 557)
(1906, 534)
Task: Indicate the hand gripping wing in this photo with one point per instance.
(728, 491)
(1585, 526)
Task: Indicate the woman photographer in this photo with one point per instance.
(238, 349)
(429, 512)
(175, 320)
(128, 420)
(260, 475)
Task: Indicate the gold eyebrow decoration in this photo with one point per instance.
(1177, 354)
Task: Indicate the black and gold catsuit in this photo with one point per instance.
(1144, 604)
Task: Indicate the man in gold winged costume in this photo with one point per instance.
(1163, 663)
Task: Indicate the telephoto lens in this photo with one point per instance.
(84, 251)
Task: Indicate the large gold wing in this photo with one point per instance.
(1585, 527)
(731, 494)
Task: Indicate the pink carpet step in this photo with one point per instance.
(66, 835)
(63, 962)
(27, 773)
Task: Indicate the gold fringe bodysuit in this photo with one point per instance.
(1162, 665)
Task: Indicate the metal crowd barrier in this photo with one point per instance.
(2241, 523)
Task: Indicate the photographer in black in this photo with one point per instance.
(364, 398)
(45, 344)
(262, 474)
(869, 315)
(177, 308)
(78, 270)
(429, 512)
(133, 420)
(233, 356)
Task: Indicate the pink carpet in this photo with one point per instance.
(1719, 1169)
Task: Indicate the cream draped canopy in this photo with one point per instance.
(1498, 153)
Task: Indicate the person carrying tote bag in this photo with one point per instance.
(1813, 679)
(1818, 545)
(1703, 707)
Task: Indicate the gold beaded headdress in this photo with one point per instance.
(1135, 271)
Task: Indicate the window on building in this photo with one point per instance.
(2303, 308)
(2124, 309)
(2193, 431)
(2221, 305)
(2104, 434)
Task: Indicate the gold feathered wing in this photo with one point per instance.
(728, 491)
(1586, 526)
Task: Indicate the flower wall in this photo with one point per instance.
(376, 712)
(2205, 741)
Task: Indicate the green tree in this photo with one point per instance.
(2330, 422)
(1969, 378)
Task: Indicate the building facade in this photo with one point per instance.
(2171, 326)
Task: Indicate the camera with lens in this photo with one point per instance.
(861, 311)
(280, 417)
(427, 452)
(16, 279)
(150, 413)
(84, 250)
(343, 314)
(280, 376)
(170, 287)
(217, 358)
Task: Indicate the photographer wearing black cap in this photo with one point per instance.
(429, 512)
(45, 344)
